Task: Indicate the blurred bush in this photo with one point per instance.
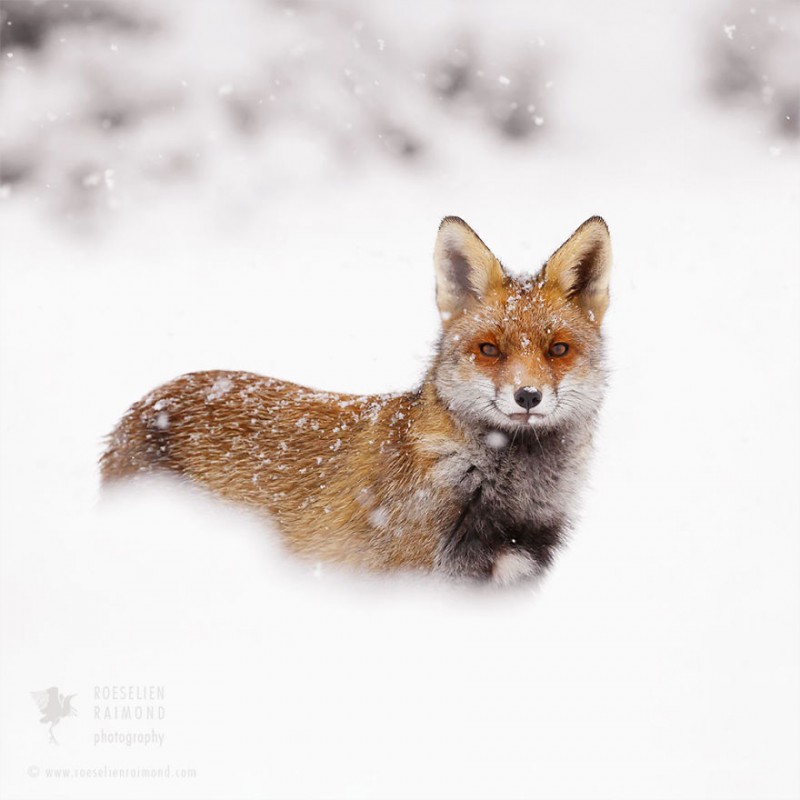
(102, 94)
(755, 60)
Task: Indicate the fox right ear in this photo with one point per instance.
(466, 269)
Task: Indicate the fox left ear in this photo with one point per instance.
(580, 268)
(466, 269)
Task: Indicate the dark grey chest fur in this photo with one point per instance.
(517, 498)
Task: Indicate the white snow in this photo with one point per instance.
(659, 659)
(379, 517)
(512, 567)
(162, 420)
(496, 439)
(219, 388)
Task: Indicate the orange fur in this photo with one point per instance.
(325, 466)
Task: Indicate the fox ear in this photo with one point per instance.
(580, 268)
(466, 269)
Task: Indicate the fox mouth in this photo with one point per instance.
(525, 416)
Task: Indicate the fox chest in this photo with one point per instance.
(510, 506)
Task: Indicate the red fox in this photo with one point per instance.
(473, 475)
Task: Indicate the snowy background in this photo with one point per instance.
(257, 185)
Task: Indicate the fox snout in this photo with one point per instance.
(526, 400)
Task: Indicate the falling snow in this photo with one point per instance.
(220, 388)
(496, 439)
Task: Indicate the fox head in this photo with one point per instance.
(520, 352)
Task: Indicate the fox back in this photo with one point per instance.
(474, 474)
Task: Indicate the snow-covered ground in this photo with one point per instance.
(660, 658)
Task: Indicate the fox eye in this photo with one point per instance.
(559, 349)
(490, 350)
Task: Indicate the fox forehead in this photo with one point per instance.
(525, 312)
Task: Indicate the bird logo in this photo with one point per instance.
(53, 706)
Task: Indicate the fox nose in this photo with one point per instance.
(528, 398)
